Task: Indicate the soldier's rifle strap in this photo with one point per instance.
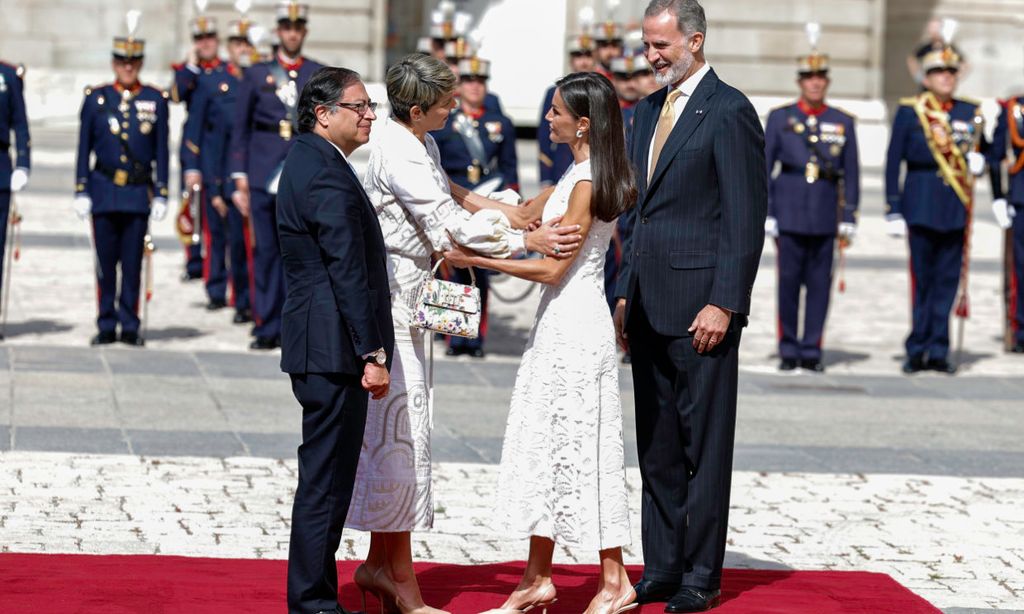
(281, 78)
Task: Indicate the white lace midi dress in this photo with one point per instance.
(562, 473)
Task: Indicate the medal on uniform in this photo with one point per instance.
(811, 171)
(835, 149)
(812, 121)
(798, 128)
(294, 74)
(224, 87)
(284, 129)
(114, 126)
(145, 127)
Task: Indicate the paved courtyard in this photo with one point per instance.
(187, 446)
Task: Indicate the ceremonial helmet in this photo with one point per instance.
(608, 32)
(458, 49)
(293, 12)
(814, 63)
(583, 43)
(474, 67)
(238, 29)
(202, 25)
(945, 58)
(129, 47)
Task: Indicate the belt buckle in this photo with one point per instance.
(284, 129)
(473, 173)
(121, 177)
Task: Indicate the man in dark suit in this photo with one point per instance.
(337, 333)
(684, 292)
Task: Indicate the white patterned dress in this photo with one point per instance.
(409, 191)
(562, 468)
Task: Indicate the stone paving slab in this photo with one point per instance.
(958, 542)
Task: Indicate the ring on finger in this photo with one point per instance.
(556, 250)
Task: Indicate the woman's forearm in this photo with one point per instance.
(545, 270)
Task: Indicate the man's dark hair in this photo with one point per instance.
(324, 88)
(689, 14)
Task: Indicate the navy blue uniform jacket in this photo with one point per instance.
(337, 303)
(699, 225)
(12, 119)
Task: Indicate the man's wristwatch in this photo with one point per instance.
(379, 357)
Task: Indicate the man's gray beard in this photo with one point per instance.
(675, 72)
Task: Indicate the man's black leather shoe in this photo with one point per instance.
(691, 599)
(787, 364)
(103, 338)
(913, 364)
(265, 343)
(812, 365)
(242, 317)
(132, 339)
(216, 304)
(650, 591)
(942, 366)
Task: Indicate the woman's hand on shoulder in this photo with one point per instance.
(554, 240)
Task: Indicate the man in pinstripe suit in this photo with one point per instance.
(684, 295)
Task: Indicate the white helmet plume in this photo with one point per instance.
(257, 34)
(949, 28)
(586, 18)
(131, 19)
(813, 30)
(243, 6)
(201, 6)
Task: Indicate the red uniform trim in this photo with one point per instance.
(809, 110)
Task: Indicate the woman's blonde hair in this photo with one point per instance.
(417, 80)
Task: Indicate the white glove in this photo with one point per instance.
(771, 227)
(895, 226)
(82, 206)
(1004, 212)
(509, 197)
(19, 179)
(847, 231)
(158, 209)
(975, 163)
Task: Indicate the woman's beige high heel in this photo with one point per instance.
(386, 586)
(365, 580)
(546, 597)
(623, 604)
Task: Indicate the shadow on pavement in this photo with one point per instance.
(504, 337)
(173, 332)
(35, 327)
(841, 357)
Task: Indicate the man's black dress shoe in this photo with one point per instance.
(813, 365)
(787, 364)
(942, 366)
(913, 364)
(651, 591)
(132, 339)
(691, 599)
(216, 304)
(265, 343)
(103, 338)
(242, 317)
(477, 353)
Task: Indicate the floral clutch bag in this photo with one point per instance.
(448, 307)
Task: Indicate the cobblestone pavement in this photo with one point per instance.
(944, 538)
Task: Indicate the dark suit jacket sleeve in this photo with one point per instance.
(743, 190)
(338, 216)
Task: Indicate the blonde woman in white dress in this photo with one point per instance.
(417, 211)
(562, 478)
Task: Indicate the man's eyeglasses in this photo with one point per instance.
(360, 107)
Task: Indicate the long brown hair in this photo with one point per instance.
(588, 94)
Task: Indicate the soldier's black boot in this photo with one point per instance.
(942, 366)
(787, 364)
(215, 304)
(1018, 348)
(242, 317)
(103, 338)
(914, 364)
(812, 365)
(132, 339)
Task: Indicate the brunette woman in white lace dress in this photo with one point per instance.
(562, 476)
(410, 192)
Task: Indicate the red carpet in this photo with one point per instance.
(167, 584)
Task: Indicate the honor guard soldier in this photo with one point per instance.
(934, 135)
(205, 158)
(202, 60)
(478, 152)
(124, 130)
(555, 158)
(813, 197)
(608, 45)
(1008, 206)
(442, 28)
(263, 133)
(13, 119)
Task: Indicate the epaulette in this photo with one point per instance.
(909, 101)
(89, 89)
(781, 107)
(20, 71)
(844, 112)
(177, 66)
(970, 101)
(159, 90)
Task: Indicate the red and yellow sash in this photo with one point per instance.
(1013, 112)
(939, 135)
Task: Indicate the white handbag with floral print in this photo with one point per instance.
(448, 307)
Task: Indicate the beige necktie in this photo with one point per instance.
(666, 121)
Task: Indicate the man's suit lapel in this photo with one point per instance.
(695, 112)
